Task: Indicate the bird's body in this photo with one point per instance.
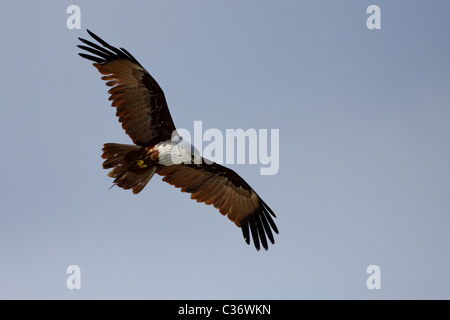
(176, 151)
(142, 109)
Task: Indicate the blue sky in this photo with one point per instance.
(363, 117)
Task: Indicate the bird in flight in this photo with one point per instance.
(142, 109)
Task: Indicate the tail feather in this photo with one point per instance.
(123, 159)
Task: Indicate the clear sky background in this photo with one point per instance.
(364, 178)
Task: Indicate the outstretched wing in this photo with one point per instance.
(227, 191)
(141, 106)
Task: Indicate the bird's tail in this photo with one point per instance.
(131, 171)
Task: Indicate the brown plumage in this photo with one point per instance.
(142, 109)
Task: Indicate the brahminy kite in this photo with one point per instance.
(142, 109)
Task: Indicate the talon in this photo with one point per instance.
(141, 164)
